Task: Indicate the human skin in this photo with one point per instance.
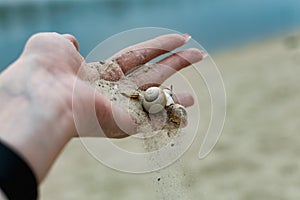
(36, 93)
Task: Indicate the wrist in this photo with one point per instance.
(36, 131)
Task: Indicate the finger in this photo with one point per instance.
(185, 99)
(156, 74)
(114, 122)
(72, 39)
(91, 109)
(183, 58)
(139, 54)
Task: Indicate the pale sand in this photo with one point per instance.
(256, 157)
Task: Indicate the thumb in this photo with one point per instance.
(95, 115)
(114, 121)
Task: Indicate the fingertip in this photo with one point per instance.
(187, 37)
(195, 55)
(72, 39)
(190, 100)
(170, 42)
(185, 99)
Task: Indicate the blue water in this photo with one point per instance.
(216, 24)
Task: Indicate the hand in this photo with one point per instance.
(129, 62)
(36, 92)
(35, 99)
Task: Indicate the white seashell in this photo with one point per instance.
(154, 100)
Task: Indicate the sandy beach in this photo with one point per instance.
(257, 156)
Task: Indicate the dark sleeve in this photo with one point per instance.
(17, 180)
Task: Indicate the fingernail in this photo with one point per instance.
(187, 37)
(204, 54)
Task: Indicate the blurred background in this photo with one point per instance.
(256, 45)
(216, 24)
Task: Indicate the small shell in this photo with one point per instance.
(177, 115)
(154, 100)
(169, 97)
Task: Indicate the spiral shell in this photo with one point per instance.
(156, 99)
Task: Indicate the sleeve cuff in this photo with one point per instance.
(17, 180)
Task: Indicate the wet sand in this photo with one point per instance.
(257, 156)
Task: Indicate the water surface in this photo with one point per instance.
(216, 24)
